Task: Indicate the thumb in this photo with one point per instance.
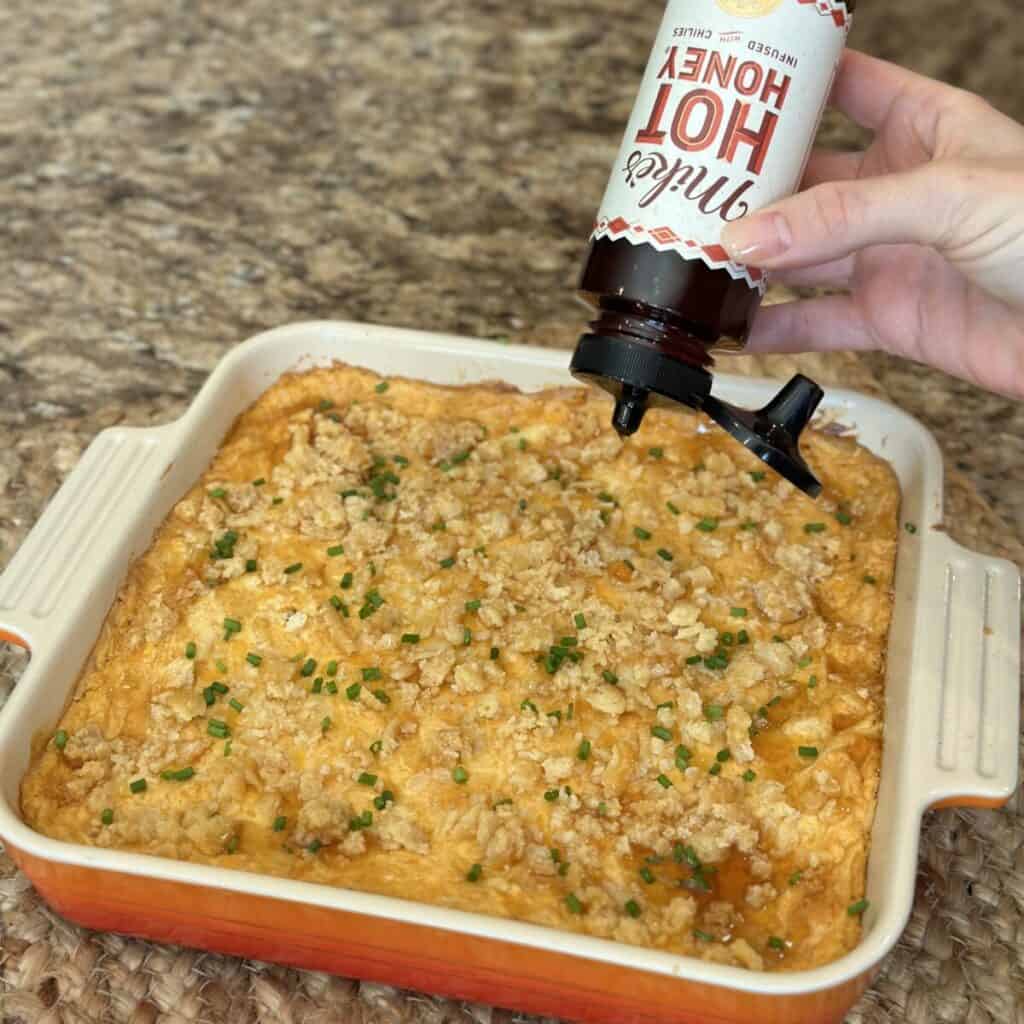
(835, 219)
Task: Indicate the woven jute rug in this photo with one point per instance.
(960, 960)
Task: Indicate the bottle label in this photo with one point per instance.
(724, 122)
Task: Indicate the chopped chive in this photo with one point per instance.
(738, 613)
(812, 682)
(749, 775)
(743, 637)
(382, 696)
(446, 563)
(236, 705)
(227, 748)
(723, 755)
(280, 823)
(218, 492)
(410, 638)
(259, 481)
(383, 799)
(190, 650)
(809, 752)
(181, 775)
(605, 496)
(315, 847)
(757, 475)
(332, 668)
(60, 739)
(580, 620)
(325, 724)
(775, 942)
(583, 751)
(910, 527)
(748, 524)
(459, 775)
(254, 659)
(467, 636)
(664, 781)
(715, 769)
(804, 662)
(656, 453)
(707, 525)
(858, 908)
(473, 606)
(367, 779)
(694, 659)
(293, 568)
(641, 534)
(610, 677)
(353, 691)
(231, 626)
(815, 527)
(371, 675)
(683, 756)
(573, 903)
(209, 696)
(475, 873)
(844, 518)
(277, 501)
(324, 404)
(794, 879)
(495, 653)
(138, 786)
(551, 795)
(381, 387)
(777, 699)
(231, 846)
(308, 667)
(661, 732)
(868, 578)
(346, 581)
(251, 565)
(220, 730)
(338, 549)
(647, 875)
(107, 817)
(376, 747)
(331, 687)
(633, 908)
(219, 688)
(713, 712)
(674, 509)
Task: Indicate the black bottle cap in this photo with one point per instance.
(773, 433)
(637, 374)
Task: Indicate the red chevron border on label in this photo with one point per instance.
(830, 9)
(666, 239)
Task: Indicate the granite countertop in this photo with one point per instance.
(177, 176)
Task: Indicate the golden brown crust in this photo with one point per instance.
(600, 628)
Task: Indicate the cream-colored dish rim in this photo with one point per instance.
(953, 656)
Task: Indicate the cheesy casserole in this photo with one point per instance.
(467, 647)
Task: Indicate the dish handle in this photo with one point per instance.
(968, 636)
(77, 546)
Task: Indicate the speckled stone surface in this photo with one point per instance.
(178, 175)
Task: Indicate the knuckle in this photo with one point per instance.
(836, 210)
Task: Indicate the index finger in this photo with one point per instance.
(866, 88)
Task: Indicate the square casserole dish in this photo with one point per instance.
(951, 723)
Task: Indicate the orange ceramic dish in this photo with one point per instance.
(127, 482)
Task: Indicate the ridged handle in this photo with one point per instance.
(51, 575)
(975, 651)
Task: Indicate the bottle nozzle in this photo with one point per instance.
(630, 410)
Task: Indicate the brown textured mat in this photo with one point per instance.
(960, 959)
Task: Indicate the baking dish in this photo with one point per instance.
(951, 731)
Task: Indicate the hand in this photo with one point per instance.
(924, 231)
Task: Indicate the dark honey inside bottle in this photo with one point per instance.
(727, 104)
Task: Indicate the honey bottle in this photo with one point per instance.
(723, 125)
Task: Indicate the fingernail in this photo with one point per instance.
(762, 236)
